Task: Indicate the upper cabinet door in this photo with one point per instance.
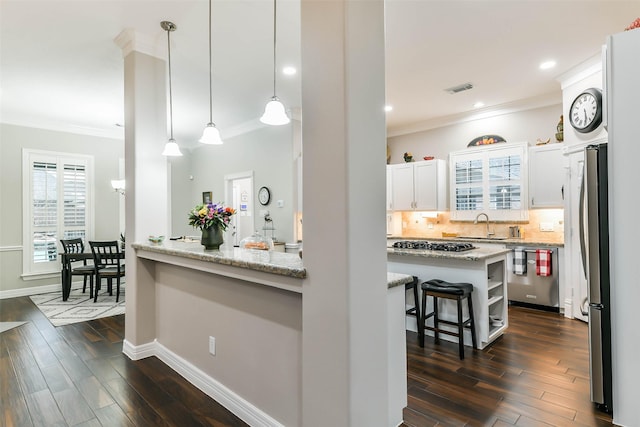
(430, 190)
(547, 175)
(402, 187)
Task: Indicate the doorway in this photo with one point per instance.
(239, 189)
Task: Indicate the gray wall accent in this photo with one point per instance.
(528, 125)
(13, 139)
(257, 329)
(267, 151)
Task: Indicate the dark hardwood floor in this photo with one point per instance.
(76, 375)
(536, 374)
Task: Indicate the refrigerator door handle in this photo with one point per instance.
(583, 246)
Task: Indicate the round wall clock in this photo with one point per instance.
(264, 196)
(585, 114)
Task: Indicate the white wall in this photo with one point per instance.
(268, 152)
(528, 125)
(13, 139)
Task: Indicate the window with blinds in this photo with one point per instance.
(489, 180)
(56, 202)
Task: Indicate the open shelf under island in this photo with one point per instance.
(485, 268)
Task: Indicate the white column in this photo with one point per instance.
(344, 370)
(146, 174)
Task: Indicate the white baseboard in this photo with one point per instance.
(34, 290)
(139, 352)
(240, 407)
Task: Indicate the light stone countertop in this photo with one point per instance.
(284, 264)
(397, 279)
(477, 254)
(281, 263)
(508, 241)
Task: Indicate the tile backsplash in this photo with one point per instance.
(414, 224)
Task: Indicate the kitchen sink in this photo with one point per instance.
(481, 238)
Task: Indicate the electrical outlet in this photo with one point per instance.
(430, 226)
(212, 345)
(546, 226)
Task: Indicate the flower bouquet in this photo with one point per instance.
(211, 215)
(212, 219)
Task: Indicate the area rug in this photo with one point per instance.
(79, 307)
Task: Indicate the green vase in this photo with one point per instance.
(212, 238)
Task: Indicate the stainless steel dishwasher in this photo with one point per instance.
(529, 288)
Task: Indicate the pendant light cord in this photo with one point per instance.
(170, 95)
(210, 71)
(274, 48)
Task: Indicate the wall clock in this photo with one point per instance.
(585, 114)
(264, 196)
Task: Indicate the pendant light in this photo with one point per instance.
(274, 112)
(211, 135)
(171, 148)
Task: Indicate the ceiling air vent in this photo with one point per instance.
(459, 88)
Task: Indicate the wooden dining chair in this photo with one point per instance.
(76, 246)
(108, 262)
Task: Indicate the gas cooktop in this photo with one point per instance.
(434, 246)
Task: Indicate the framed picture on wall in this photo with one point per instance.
(206, 197)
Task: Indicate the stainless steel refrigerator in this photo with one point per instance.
(594, 221)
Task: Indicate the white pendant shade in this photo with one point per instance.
(274, 113)
(171, 149)
(211, 135)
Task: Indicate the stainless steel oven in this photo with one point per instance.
(530, 288)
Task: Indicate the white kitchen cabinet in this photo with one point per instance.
(420, 186)
(389, 190)
(489, 179)
(546, 176)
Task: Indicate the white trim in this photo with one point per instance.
(40, 275)
(586, 68)
(10, 248)
(56, 126)
(34, 290)
(575, 148)
(240, 407)
(130, 40)
(138, 352)
(533, 103)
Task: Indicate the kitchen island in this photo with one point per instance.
(485, 268)
(251, 303)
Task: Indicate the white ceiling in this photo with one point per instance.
(60, 68)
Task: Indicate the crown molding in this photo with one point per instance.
(541, 101)
(130, 40)
(587, 68)
(116, 133)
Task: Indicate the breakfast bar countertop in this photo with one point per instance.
(284, 264)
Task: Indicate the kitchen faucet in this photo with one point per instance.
(487, 219)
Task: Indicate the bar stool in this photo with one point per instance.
(416, 307)
(437, 288)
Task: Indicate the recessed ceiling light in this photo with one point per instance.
(388, 108)
(289, 71)
(547, 65)
(478, 104)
